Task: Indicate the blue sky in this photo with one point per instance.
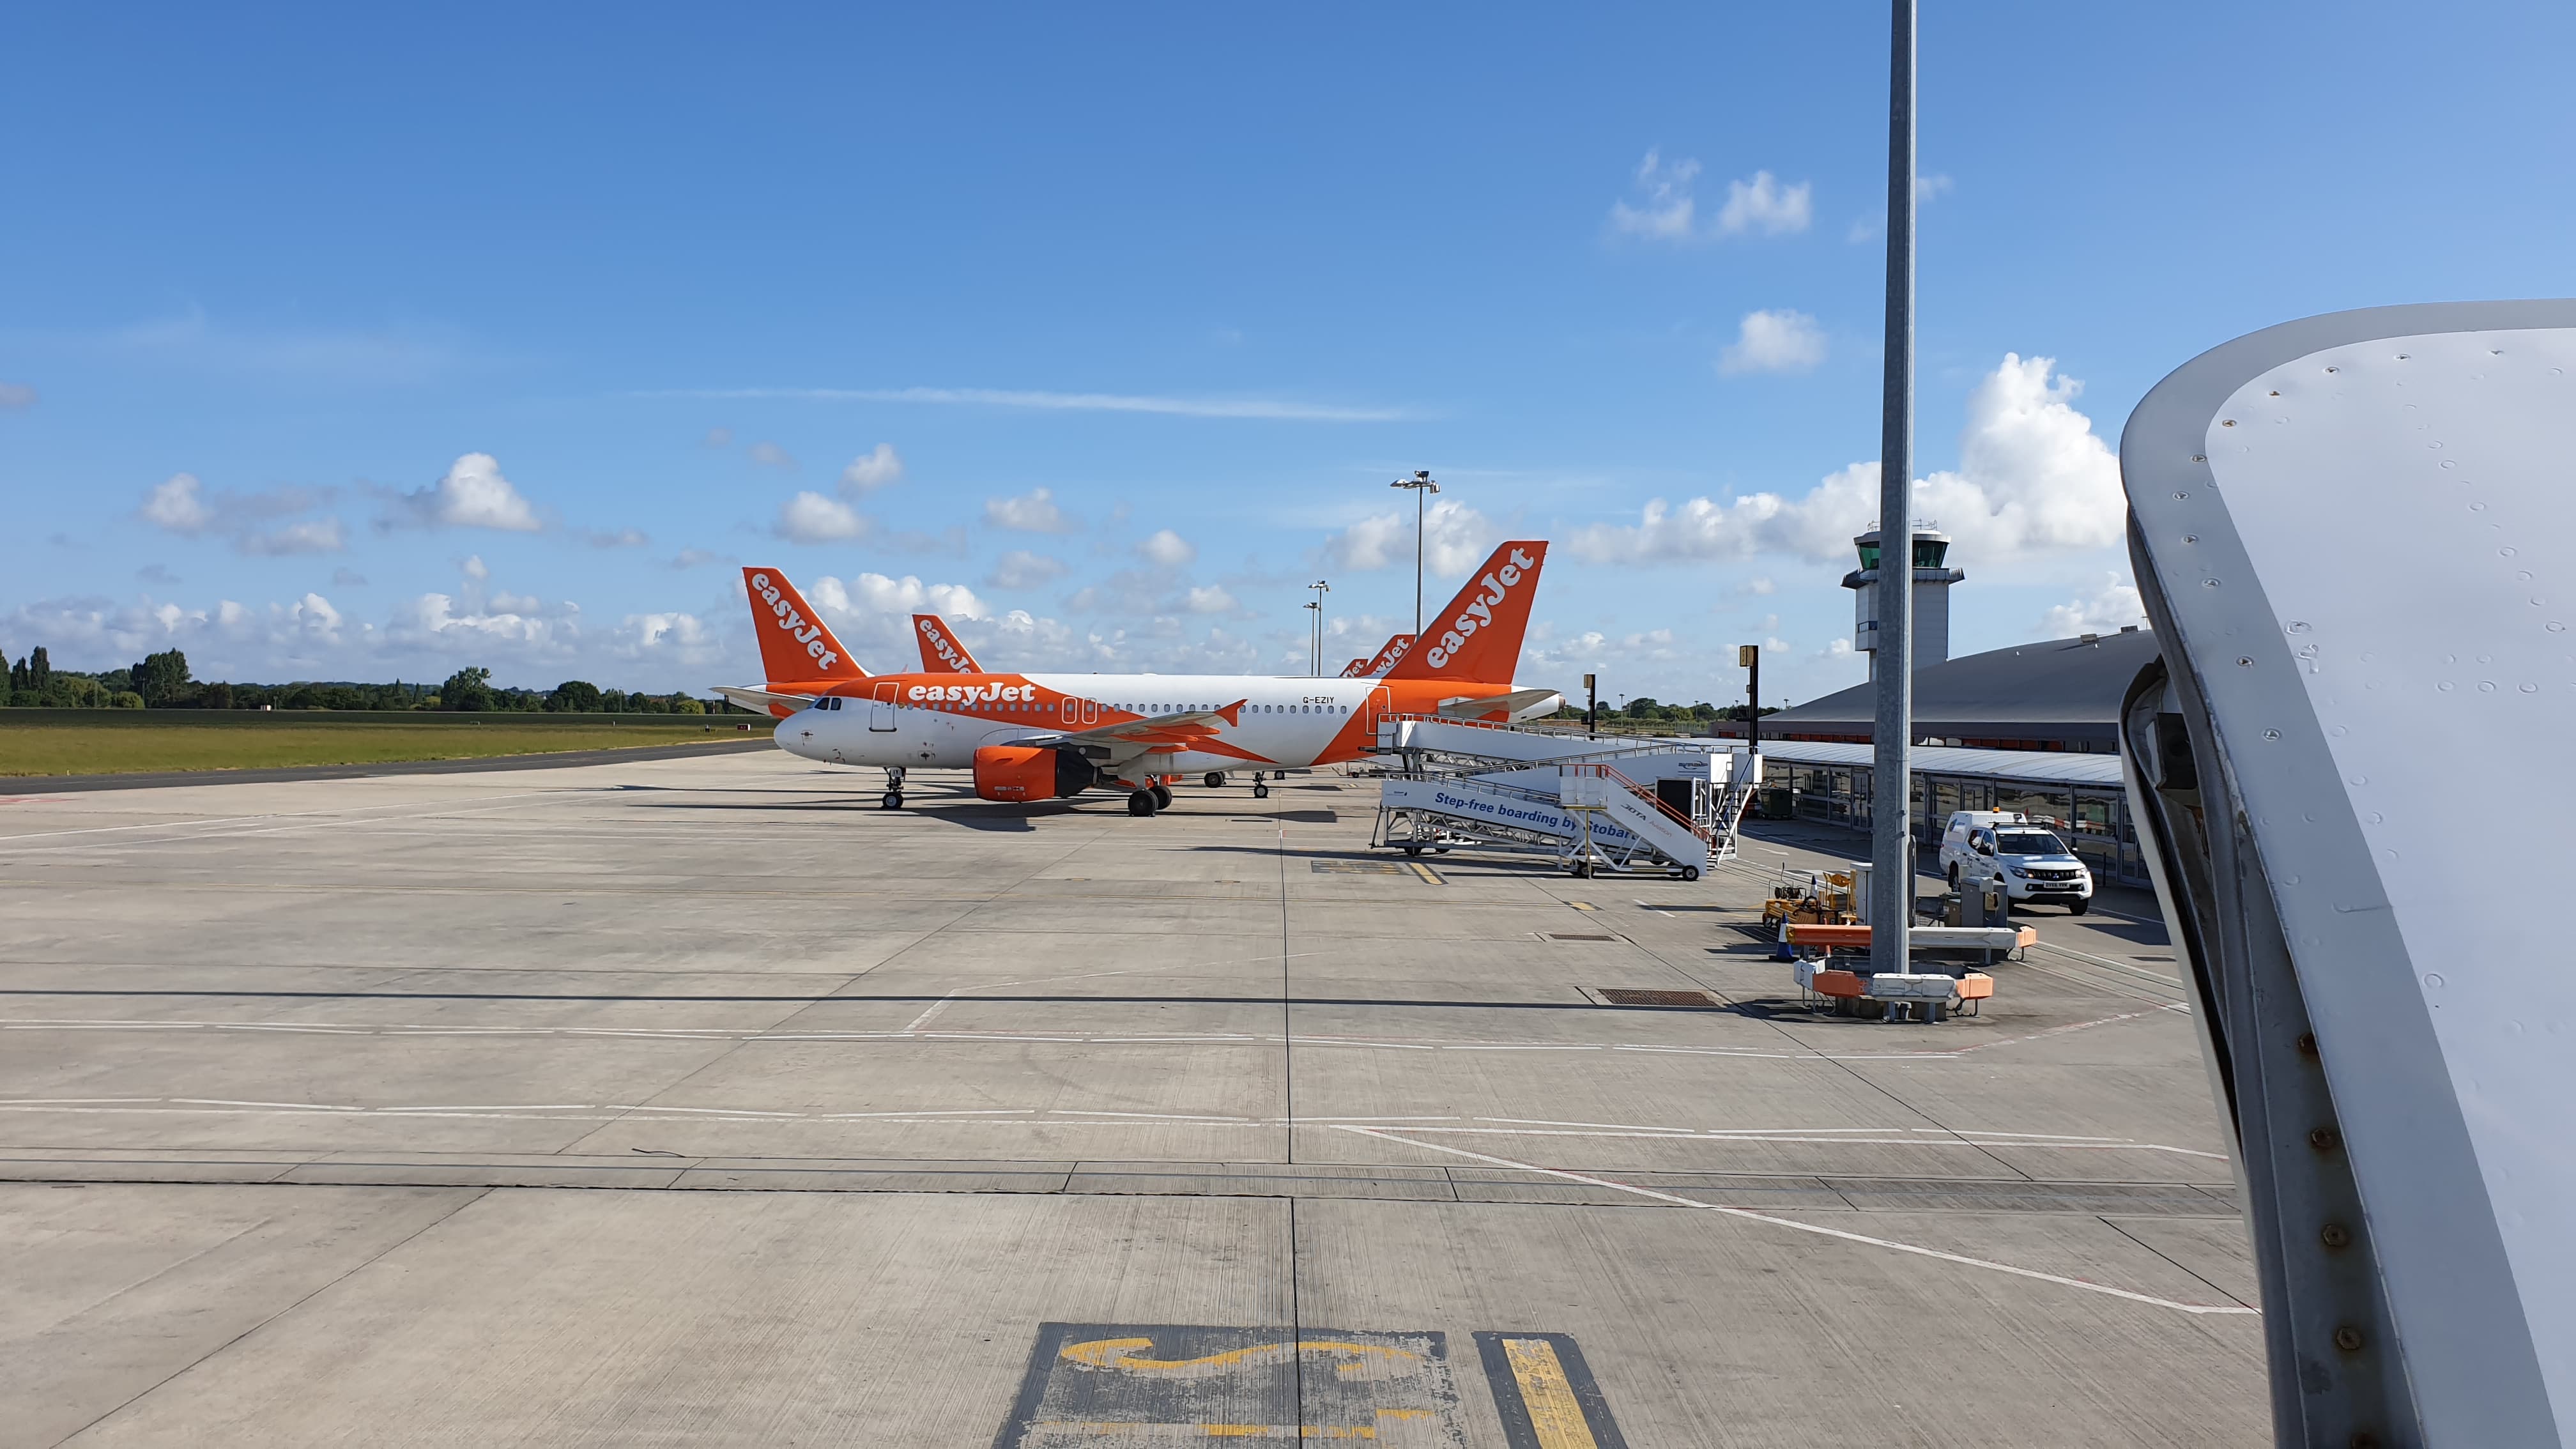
(342, 344)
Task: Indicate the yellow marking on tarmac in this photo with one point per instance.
(1555, 1415)
(1114, 1353)
(1582, 905)
(1426, 872)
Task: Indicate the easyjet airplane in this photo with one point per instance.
(941, 650)
(1376, 665)
(1040, 736)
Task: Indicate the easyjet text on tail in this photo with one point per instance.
(1478, 636)
(796, 647)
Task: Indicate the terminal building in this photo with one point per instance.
(2032, 727)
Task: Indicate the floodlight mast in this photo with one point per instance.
(1891, 806)
(1420, 483)
(1320, 588)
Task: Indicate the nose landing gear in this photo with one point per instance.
(894, 789)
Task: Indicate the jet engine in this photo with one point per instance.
(1031, 772)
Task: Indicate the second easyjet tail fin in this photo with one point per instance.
(1478, 637)
(941, 652)
(796, 646)
(1387, 654)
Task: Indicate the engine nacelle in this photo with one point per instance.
(1023, 773)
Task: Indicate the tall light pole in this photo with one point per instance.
(1321, 588)
(1891, 805)
(1420, 483)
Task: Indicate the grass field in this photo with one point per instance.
(118, 742)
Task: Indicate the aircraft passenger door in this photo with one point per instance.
(881, 709)
(1381, 703)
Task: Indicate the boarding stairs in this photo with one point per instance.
(1590, 805)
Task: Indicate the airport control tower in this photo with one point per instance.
(1932, 581)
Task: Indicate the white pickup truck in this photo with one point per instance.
(2033, 864)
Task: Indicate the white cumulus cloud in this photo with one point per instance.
(1210, 600)
(2033, 478)
(1021, 569)
(1764, 205)
(1031, 512)
(770, 455)
(1782, 341)
(179, 505)
(813, 518)
(1168, 549)
(1663, 207)
(1455, 538)
(869, 472)
(2105, 610)
(473, 494)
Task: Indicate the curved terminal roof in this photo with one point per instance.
(2058, 689)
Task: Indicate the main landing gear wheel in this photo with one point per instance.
(1141, 802)
(1215, 779)
(1259, 790)
(1162, 797)
(893, 800)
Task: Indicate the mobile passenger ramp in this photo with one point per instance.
(2351, 535)
(1652, 805)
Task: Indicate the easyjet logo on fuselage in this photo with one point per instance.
(1498, 587)
(939, 645)
(968, 693)
(807, 632)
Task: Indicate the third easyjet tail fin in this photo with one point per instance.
(796, 647)
(1386, 656)
(1478, 637)
(941, 651)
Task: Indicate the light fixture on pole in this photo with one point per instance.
(1421, 484)
(1321, 588)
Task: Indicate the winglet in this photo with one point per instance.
(795, 644)
(1232, 714)
(1478, 637)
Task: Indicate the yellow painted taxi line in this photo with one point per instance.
(1545, 1392)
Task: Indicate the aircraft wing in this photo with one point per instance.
(1123, 742)
(762, 701)
(1514, 702)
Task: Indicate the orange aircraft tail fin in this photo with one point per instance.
(1477, 638)
(795, 644)
(941, 653)
(1354, 669)
(1386, 655)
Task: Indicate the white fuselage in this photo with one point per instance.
(927, 725)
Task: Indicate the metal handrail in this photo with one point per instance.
(1703, 832)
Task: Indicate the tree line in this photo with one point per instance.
(162, 681)
(1644, 708)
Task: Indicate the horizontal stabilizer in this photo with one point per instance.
(1519, 704)
(762, 701)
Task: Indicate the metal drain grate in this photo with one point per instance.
(1565, 936)
(1357, 867)
(1625, 996)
